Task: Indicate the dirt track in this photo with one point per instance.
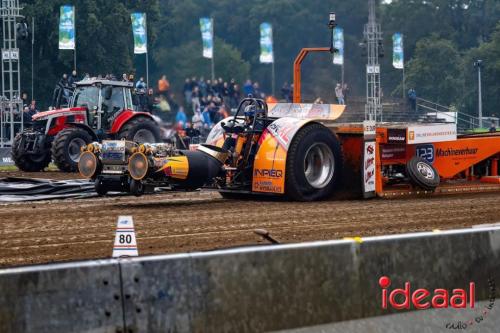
(41, 232)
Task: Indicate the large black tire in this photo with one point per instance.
(310, 142)
(137, 187)
(422, 174)
(132, 130)
(66, 147)
(100, 187)
(28, 162)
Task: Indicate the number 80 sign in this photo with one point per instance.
(125, 242)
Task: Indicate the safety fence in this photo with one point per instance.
(257, 289)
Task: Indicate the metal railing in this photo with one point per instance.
(435, 112)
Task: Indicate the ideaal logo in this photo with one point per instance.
(421, 298)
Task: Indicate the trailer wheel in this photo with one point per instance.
(99, 186)
(422, 174)
(313, 165)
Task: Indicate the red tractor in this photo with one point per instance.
(98, 109)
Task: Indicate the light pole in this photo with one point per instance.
(479, 64)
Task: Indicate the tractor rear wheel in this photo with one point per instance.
(66, 148)
(313, 165)
(28, 162)
(140, 130)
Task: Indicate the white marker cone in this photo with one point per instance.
(125, 242)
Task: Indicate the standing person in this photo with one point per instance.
(73, 79)
(236, 96)
(493, 127)
(33, 108)
(285, 92)
(412, 99)
(163, 86)
(195, 98)
(256, 90)
(209, 88)
(28, 113)
(197, 120)
(248, 88)
(141, 85)
(225, 92)
(187, 90)
(124, 77)
(24, 98)
(181, 118)
(65, 86)
(339, 94)
(203, 86)
(150, 104)
(220, 87)
(345, 92)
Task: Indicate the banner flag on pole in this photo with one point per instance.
(398, 51)
(207, 37)
(338, 43)
(266, 43)
(139, 31)
(67, 28)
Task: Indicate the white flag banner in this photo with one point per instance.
(266, 43)
(338, 43)
(398, 51)
(207, 37)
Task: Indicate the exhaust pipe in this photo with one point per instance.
(193, 169)
(189, 169)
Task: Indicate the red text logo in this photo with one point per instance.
(421, 298)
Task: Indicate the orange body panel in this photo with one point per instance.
(269, 167)
(453, 157)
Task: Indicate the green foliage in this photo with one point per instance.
(435, 70)
(186, 61)
(104, 42)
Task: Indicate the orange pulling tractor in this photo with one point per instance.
(304, 152)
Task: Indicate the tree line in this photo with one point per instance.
(442, 39)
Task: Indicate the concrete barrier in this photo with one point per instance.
(75, 297)
(267, 288)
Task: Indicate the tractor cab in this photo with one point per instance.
(103, 100)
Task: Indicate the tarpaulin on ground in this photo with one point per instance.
(30, 189)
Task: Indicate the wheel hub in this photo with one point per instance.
(319, 165)
(425, 170)
(144, 136)
(74, 148)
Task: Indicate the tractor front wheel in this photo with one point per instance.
(28, 162)
(140, 130)
(66, 148)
